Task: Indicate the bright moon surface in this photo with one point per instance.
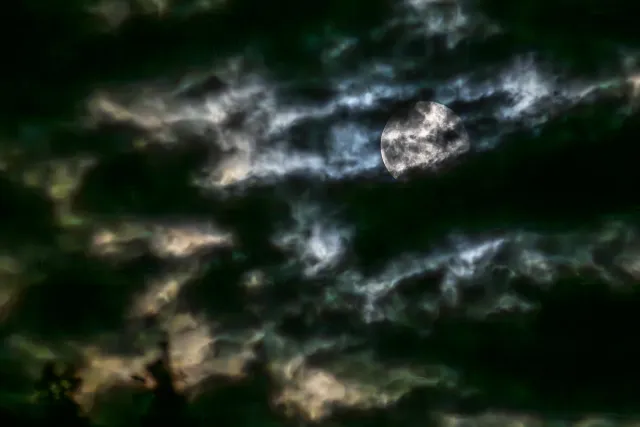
(422, 138)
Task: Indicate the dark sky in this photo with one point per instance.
(569, 173)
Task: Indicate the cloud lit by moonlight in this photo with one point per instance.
(423, 138)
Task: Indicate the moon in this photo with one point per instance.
(425, 137)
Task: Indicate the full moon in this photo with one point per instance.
(425, 138)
